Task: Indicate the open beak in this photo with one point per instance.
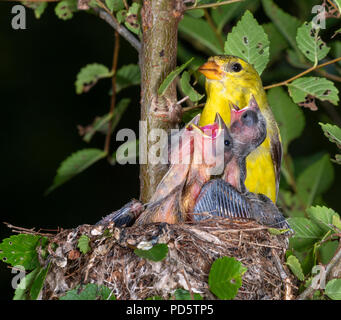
(211, 70)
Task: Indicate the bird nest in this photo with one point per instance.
(193, 248)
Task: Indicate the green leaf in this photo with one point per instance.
(65, 9)
(200, 31)
(22, 292)
(157, 253)
(126, 76)
(249, 41)
(307, 232)
(182, 294)
(327, 251)
(90, 291)
(21, 250)
(38, 7)
(336, 222)
(170, 78)
(333, 289)
(101, 124)
(337, 159)
(75, 164)
(332, 132)
(121, 16)
(89, 75)
(315, 179)
(285, 23)
(38, 283)
(320, 88)
(196, 13)
(187, 89)
(132, 21)
(289, 116)
(322, 216)
(83, 244)
(114, 5)
(310, 43)
(295, 267)
(225, 277)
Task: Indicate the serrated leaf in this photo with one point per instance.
(38, 282)
(65, 9)
(295, 267)
(22, 292)
(187, 89)
(249, 41)
(157, 253)
(75, 164)
(132, 21)
(172, 75)
(307, 232)
(126, 76)
(37, 7)
(89, 75)
(83, 244)
(289, 116)
(323, 216)
(336, 222)
(200, 31)
(327, 251)
(225, 277)
(182, 294)
(90, 291)
(284, 22)
(315, 179)
(320, 88)
(333, 289)
(332, 132)
(310, 43)
(101, 124)
(21, 250)
(114, 5)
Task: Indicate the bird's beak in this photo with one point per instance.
(211, 70)
(221, 124)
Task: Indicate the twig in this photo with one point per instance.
(26, 231)
(113, 96)
(201, 105)
(212, 5)
(213, 27)
(107, 16)
(286, 82)
(188, 284)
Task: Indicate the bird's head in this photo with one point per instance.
(228, 68)
(248, 128)
(213, 143)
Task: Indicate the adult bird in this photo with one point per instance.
(231, 80)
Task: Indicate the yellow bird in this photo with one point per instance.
(231, 80)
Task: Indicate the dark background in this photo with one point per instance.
(40, 112)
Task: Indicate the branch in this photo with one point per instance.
(113, 96)
(286, 82)
(107, 16)
(212, 5)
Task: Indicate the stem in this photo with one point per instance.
(212, 5)
(286, 82)
(201, 105)
(113, 96)
(105, 14)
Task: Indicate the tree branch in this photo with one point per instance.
(107, 16)
(212, 5)
(286, 82)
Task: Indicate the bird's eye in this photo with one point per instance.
(249, 118)
(227, 142)
(236, 67)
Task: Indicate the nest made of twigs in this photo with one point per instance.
(192, 250)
